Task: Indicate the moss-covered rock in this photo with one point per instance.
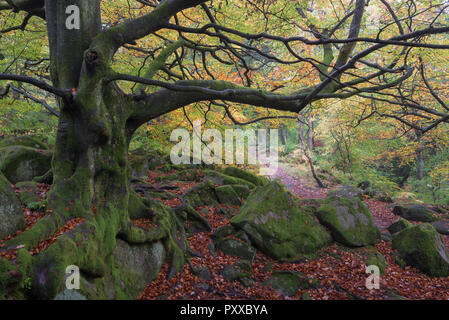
(201, 194)
(288, 283)
(378, 195)
(227, 195)
(138, 165)
(223, 232)
(32, 141)
(11, 216)
(349, 221)
(416, 212)
(184, 175)
(236, 248)
(150, 158)
(373, 257)
(10, 280)
(441, 226)
(20, 163)
(421, 247)
(241, 190)
(346, 191)
(277, 226)
(235, 273)
(137, 265)
(29, 193)
(197, 222)
(370, 191)
(245, 175)
(132, 267)
(222, 179)
(399, 225)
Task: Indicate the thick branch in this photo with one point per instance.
(108, 42)
(37, 83)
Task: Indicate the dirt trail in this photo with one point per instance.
(305, 189)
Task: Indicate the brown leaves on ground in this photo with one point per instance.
(31, 217)
(340, 271)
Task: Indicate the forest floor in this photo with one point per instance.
(340, 270)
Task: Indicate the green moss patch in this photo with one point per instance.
(277, 226)
(349, 221)
(421, 247)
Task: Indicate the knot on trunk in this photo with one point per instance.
(92, 59)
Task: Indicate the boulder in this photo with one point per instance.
(20, 163)
(235, 273)
(422, 247)
(227, 195)
(245, 175)
(134, 265)
(416, 212)
(288, 283)
(201, 194)
(139, 166)
(223, 232)
(346, 191)
(371, 192)
(236, 248)
(441, 226)
(378, 195)
(373, 257)
(241, 190)
(11, 215)
(29, 193)
(31, 141)
(183, 175)
(202, 272)
(399, 225)
(277, 226)
(349, 221)
(141, 262)
(220, 179)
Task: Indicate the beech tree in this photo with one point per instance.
(97, 117)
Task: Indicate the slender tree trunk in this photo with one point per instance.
(307, 154)
(419, 157)
(310, 135)
(283, 136)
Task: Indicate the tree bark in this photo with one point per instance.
(90, 168)
(306, 152)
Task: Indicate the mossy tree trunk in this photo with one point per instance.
(90, 165)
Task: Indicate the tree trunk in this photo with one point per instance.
(283, 136)
(307, 154)
(310, 135)
(90, 177)
(419, 157)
